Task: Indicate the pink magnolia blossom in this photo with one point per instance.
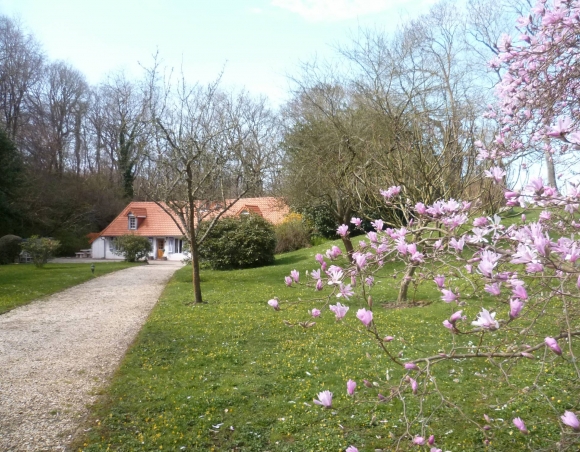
(288, 281)
(350, 387)
(390, 192)
(365, 316)
(486, 320)
(411, 366)
(435, 449)
(274, 303)
(320, 258)
(456, 316)
(356, 221)
(324, 399)
(496, 173)
(342, 230)
(420, 208)
(378, 225)
(319, 285)
(448, 296)
(414, 385)
(418, 440)
(351, 449)
(571, 420)
(516, 306)
(447, 324)
(431, 440)
(520, 292)
(369, 281)
(440, 281)
(388, 338)
(345, 291)
(520, 425)
(553, 345)
(339, 310)
(295, 275)
(480, 221)
(315, 312)
(493, 289)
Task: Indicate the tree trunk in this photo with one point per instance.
(405, 283)
(348, 246)
(550, 169)
(195, 270)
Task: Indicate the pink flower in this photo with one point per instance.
(448, 296)
(345, 291)
(366, 317)
(378, 225)
(492, 289)
(288, 281)
(388, 338)
(420, 208)
(350, 387)
(520, 425)
(351, 449)
(274, 303)
(319, 284)
(342, 230)
(479, 222)
(570, 420)
(447, 324)
(418, 441)
(520, 292)
(356, 221)
(496, 173)
(295, 275)
(414, 385)
(319, 258)
(431, 440)
(440, 281)
(324, 399)
(486, 320)
(411, 366)
(390, 192)
(553, 345)
(516, 306)
(339, 310)
(455, 317)
(369, 281)
(315, 313)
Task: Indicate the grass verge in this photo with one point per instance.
(230, 376)
(22, 283)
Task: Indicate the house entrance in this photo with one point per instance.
(160, 248)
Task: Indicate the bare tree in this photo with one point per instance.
(21, 61)
(205, 146)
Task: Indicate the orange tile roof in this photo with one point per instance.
(157, 223)
(139, 212)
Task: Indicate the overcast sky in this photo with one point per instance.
(257, 42)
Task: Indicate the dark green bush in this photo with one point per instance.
(133, 247)
(9, 249)
(248, 241)
(292, 236)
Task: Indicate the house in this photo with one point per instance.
(149, 220)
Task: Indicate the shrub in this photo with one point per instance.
(292, 235)
(40, 249)
(9, 249)
(133, 247)
(248, 241)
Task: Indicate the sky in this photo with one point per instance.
(256, 43)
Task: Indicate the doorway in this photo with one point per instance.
(160, 248)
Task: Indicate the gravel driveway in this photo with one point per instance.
(57, 352)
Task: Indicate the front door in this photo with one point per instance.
(160, 248)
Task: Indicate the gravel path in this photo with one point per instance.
(57, 352)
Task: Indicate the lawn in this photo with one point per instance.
(229, 375)
(22, 283)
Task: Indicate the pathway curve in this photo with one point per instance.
(57, 352)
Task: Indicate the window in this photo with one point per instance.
(170, 245)
(178, 245)
(132, 222)
(112, 245)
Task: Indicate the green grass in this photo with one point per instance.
(230, 376)
(22, 283)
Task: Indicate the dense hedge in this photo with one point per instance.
(292, 235)
(133, 247)
(9, 249)
(248, 241)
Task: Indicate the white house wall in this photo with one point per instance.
(101, 249)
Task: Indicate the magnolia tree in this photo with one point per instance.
(513, 288)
